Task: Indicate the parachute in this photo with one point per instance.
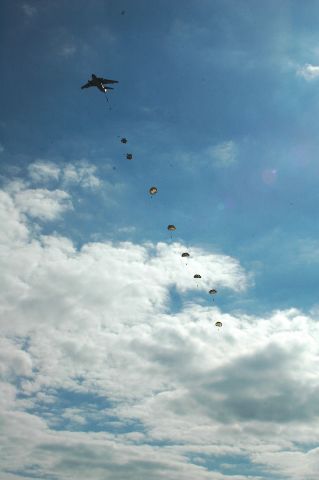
(213, 291)
(197, 276)
(153, 190)
(185, 255)
(218, 324)
(123, 140)
(129, 156)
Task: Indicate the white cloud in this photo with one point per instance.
(84, 314)
(43, 171)
(309, 72)
(13, 229)
(50, 204)
(13, 361)
(96, 323)
(42, 203)
(82, 173)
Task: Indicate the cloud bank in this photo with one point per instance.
(102, 375)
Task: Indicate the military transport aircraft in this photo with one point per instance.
(100, 83)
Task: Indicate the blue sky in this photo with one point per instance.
(108, 343)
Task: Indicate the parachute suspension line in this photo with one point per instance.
(106, 98)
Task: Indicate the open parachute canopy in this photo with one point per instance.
(171, 228)
(123, 140)
(197, 276)
(153, 190)
(185, 254)
(129, 156)
(218, 324)
(212, 291)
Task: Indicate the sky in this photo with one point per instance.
(111, 366)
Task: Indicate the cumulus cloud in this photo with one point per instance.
(43, 171)
(42, 203)
(101, 377)
(13, 229)
(308, 72)
(80, 173)
(13, 361)
(50, 204)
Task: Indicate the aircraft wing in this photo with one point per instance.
(106, 80)
(87, 85)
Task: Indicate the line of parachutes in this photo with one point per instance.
(100, 84)
(171, 228)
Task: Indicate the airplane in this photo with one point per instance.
(99, 82)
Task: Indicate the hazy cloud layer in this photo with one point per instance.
(29, 10)
(223, 154)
